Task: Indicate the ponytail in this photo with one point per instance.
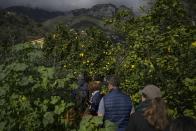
(156, 114)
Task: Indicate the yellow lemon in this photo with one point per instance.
(81, 54)
(194, 44)
(54, 35)
(169, 49)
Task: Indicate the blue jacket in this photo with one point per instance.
(94, 103)
(117, 108)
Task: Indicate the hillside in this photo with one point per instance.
(19, 23)
(77, 22)
(84, 18)
(16, 28)
(98, 11)
(36, 14)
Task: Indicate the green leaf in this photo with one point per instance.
(70, 104)
(48, 118)
(25, 81)
(3, 90)
(59, 108)
(2, 75)
(35, 55)
(20, 67)
(60, 82)
(50, 72)
(2, 102)
(2, 125)
(46, 72)
(21, 47)
(54, 99)
(97, 120)
(110, 126)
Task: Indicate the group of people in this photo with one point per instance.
(149, 115)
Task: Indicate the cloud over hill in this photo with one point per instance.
(64, 5)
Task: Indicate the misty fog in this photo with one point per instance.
(65, 5)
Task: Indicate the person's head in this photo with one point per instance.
(156, 114)
(183, 124)
(150, 92)
(113, 82)
(83, 77)
(80, 79)
(98, 77)
(94, 86)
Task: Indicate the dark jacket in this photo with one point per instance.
(142, 106)
(137, 121)
(94, 103)
(117, 108)
(83, 89)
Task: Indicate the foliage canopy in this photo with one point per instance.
(158, 48)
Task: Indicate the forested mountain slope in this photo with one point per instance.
(17, 28)
(36, 14)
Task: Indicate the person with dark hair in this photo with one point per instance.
(151, 114)
(115, 106)
(184, 123)
(83, 85)
(95, 98)
(81, 94)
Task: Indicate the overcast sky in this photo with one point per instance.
(64, 5)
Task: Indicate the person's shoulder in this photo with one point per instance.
(126, 96)
(123, 93)
(107, 95)
(135, 121)
(137, 114)
(101, 95)
(98, 95)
